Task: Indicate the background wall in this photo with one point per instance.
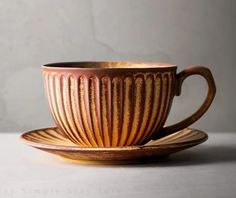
(183, 32)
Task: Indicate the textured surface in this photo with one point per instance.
(182, 32)
(50, 140)
(207, 170)
(104, 108)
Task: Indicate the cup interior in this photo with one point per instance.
(109, 65)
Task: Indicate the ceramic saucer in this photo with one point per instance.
(50, 140)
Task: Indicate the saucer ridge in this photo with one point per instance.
(187, 134)
(50, 136)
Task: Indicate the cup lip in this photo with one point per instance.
(108, 65)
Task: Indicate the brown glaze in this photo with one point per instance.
(50, 140)
(107, 104)
(205, 73)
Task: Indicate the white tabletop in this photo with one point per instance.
(207, 170)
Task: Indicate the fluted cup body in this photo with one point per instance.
(109, 104)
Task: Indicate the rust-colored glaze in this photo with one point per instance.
(193, 70)
(108, 104)
(50, 140)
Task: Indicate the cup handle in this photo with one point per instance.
(193, 70)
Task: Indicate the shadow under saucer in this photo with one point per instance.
(205, 154)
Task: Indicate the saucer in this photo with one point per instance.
(50, 140)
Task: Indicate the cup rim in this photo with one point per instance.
(101, 65)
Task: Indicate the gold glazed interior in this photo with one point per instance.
(109, 64)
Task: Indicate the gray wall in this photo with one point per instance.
(183, 32)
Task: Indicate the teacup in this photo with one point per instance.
(111, 104)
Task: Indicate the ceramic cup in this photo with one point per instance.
(110, 104)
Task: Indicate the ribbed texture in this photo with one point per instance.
(104, 111)
(51, 141)
(51, 136)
